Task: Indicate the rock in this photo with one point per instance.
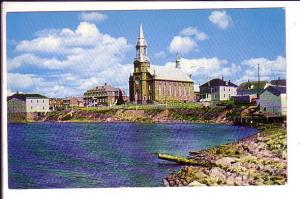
(171, 183)
(226, 161)
(228, 174)
(250, 165)
(238, 181)
(284, 154)
(200, 175)
(268, 168)
(217, 173)
(236, 164)
(230, 181)
(195, 184)
(165, 183)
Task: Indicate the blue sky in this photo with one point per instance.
(64, 53)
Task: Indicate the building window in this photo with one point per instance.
(229, 89)
(31, 101)
(43, 108)
(37, 101)
(31, 108)
(224, 88)
(224, 96)
(43, 101)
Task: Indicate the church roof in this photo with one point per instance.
(169, 73)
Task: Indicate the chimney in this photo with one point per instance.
(190, 75)
(229, 81)
(222, 78)
(105, 84)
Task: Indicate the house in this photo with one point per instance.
(105, 95)
(217, 90)
(252, 88)
(73, 102)
(273, 100)
(196, 93)
(148, 83)
(26, 106)
(279, 82)
(56, 104)
(248, 92)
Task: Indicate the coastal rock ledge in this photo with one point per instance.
(257, 160)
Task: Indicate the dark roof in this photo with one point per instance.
(105, 88)
(275, 90)
(255, 85)
(278, 82)
(218, 82)
(23, 97)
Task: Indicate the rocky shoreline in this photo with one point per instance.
(260, 159)
(168, 115)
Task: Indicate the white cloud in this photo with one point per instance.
(84, 47)
(187, 40)
(269, 69)
(93, 16)
(182, 44)
(46, 44)
(221, 19)
(193, 31)
(204, 69)
(84, 58)
(18, 81)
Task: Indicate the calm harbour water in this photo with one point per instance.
(69, 155)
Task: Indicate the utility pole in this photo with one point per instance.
(258, 77)
(258, 84)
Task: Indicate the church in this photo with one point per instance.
(157, 84)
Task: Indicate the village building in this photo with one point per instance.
(197, 93)
(70, 102)
(56, 104)
(105, 95)
(148, 84)
(273, 100)
(279, 82)
(252, 87)
(217, 90)
(248, 92)
(26, 106)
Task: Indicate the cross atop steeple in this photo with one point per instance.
(177, 60)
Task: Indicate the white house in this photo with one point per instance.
(217, 90)
(27, 103)
(273, 100)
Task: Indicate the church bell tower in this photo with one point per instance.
(140, 84)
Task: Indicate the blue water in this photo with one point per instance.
(68, 155)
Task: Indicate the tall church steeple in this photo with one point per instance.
(141, 47)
